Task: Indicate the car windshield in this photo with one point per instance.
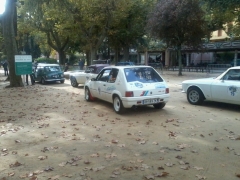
(52, 68)
(142, 74)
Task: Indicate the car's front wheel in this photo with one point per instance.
(159, 105)
(62, 81)
(117, 105)
(195, 96)
(43, 81)
(74, 82)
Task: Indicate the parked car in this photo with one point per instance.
(237, 61)
(128, 86)
(127, 63)
(77, 78)
(67, 73)
(48, 73)
(225, 88)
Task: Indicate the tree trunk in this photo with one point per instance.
(93, 54)
(10, 42)
(126, 53)
(179, 61)
(116, 55)
(62, 57)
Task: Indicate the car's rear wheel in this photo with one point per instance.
(195, 96)
(74, 82)
(43, 81)
(62, 81)
(117, 105)
(159, 105)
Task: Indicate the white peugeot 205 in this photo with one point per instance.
(225, 88)
(128, 86)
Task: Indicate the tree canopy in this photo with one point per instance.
(178, 23)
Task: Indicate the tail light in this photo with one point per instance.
(129, 94)
(167, 90)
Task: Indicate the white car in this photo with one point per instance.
(225, 88)
(92, 71)
(128, 86)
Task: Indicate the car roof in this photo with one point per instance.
(44, 64)
(98, 65)
(127, 67)
(235, 67)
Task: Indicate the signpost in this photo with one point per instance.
(23, 64)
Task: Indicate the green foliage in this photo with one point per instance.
(177, 22)
(46, 60)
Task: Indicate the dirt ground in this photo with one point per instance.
(49, 132)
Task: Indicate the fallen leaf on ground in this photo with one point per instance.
(114, 141)
(150, 177)
(200, 177)
(169, 164)
(42, 157)
(162, 174)
(198, 168)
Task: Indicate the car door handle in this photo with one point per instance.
(104, 85)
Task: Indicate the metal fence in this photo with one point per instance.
(217, 68)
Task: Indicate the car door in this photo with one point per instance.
(227, 89)
(98, 87)
(111, 84)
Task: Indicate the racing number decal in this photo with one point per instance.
(232, 90)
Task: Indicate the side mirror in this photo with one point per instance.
(87, 71)
(93, 79)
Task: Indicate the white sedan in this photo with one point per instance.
(128, 86)
(225, 88)
(92, 71)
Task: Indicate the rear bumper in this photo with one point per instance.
(129, 102)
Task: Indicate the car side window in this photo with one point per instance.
(232, 75)
(113, 75)
(104, 75)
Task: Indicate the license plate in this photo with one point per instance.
(151, 101)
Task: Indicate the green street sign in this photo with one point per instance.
(23, 64)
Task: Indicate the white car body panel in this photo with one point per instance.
(142, 91)
(218, 89)
(82, 76)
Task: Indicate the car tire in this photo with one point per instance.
(87, 95)
(159, 105)
(117, 105)
(195, 96)
(43, 81)
(62, 81)
(74, 82)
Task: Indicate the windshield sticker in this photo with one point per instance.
(144, 93)
(138, 85)
(233, 90)
(111, 88)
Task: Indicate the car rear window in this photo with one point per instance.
(142, 74)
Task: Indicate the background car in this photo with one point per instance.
(225, 88)
(128, 86)
(48, 73)
(127, 63)
(77, 78)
